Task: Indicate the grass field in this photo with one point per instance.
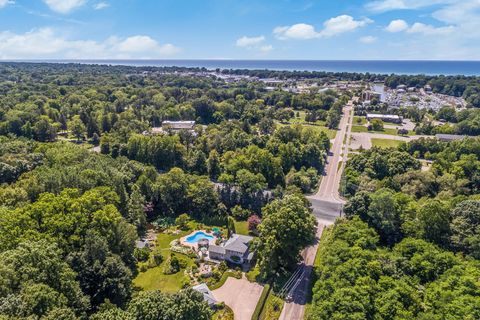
(389, 131)
(359, 120)
(319, 128)
(241, 227)
(386, 143)
(153, 278)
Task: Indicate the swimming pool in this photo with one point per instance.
(194, 238)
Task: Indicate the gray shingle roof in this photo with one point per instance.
(216, 249)
(207, 294)
(238, 243)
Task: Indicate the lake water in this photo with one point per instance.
(468, 68)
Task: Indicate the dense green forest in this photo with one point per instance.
(81, 181)
(409, 246)
(82, 178)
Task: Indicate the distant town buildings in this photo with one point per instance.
(449, 137)
(384, 117)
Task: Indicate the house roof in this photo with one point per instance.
(449, 137)
(207, 294)
(216, 249)
(178, 124)
(238, 243)
(140, 244)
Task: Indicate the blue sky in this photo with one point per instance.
(240, 29)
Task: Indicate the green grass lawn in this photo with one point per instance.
(357, 128)
(319, 128)
(241, 227)
(153, 278)
(253, 274)
(359, 120)
(386, 143)
(389, 131)
(273, 307)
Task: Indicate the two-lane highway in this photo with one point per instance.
(327, 206)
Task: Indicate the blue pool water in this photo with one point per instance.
(197, 236)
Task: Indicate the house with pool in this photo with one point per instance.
(236, 249)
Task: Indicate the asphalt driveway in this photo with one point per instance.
(241, 295)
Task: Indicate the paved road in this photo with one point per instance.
(296, 309)
(327, 206)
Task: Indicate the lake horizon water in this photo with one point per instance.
(404, 67)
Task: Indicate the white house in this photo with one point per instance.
(235, 249)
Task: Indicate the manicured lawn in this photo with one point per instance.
(386, 143)
(359, 120)
(241, 227)
(153, 278)
(357, 128)
(390, 131)
(319, 128)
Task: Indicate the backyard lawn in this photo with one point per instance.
(386, 143)
(241, 227)
(154, 278)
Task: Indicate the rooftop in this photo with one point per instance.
(207, 294)
(238, 243)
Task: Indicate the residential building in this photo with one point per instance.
(178, 125)
(207, 294)
(235, 249)
(449, 137)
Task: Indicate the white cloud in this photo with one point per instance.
(333, 26)
(3, 3)
(368, 39)
(419, 28)
(397, 26)
(46, 43)
(300, 31)
(101, 5)
(342, 24)
(249, 41)
(64, 6)
(255, 44)
(426, 29)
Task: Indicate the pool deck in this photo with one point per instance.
(183, 240)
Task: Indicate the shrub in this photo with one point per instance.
(239, 213)
(182, 221)
(172, 266)
(141, 254)
(253, 222)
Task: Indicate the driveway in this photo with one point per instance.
(241, 295)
